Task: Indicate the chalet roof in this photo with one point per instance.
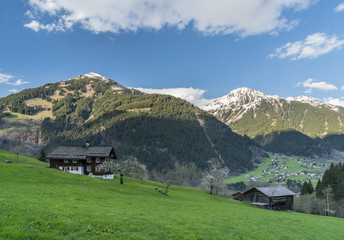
(80, 152)
(275, 191)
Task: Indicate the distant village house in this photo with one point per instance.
(84, 160)
(276, 198)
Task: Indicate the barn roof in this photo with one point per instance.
(80, 152)
(275, 191)
(236, 193)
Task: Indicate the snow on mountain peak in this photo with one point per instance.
(239, 101)
(96, 76)
(93, 76)
(305, 99)
(244, 96)
(313, 102)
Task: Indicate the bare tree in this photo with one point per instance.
(328, 197)
(183, 174)
(214, 176)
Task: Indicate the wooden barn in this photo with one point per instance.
(237, 196)
(82, 159)
(276, 198)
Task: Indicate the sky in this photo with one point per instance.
(194, 49)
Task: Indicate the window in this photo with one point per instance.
(75, 161)
(89, 168)
(97, 169)
(97, 160)
(65, 161)
(89, 160)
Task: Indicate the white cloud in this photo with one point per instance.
(245, 17)
(29, 14)
(340, 7)
(310, 85)
(313, 46)
(335, 101)
(36, 26)
(18, 82)
(5, 78)
(192, 95)
(13, 90)
(342, 88)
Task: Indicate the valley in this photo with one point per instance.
(279, 168)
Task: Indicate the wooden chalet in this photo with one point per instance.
(276, 198)
(83, 160)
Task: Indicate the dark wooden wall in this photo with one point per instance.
(281, 203)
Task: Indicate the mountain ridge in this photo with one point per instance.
(160, 130)
(266, 118)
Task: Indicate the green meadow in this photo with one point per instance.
(37, 202)
(4, 155)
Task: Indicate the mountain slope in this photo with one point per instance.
(158, 129)
(282, 125)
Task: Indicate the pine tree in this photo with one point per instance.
(42, 156)
(319, 190)
(304, 189)
(339, 194)
(310, 187)
(307, 188)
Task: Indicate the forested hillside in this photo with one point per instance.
(159, 130)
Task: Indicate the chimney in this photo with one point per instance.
(87, 144)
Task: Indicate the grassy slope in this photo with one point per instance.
(4, 155)
(43, 203)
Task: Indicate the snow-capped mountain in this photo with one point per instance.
(238, 97)
(239, 101)
(281, 125)
(250, 98)
(251, 112)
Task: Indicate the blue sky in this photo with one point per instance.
(203, 48)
